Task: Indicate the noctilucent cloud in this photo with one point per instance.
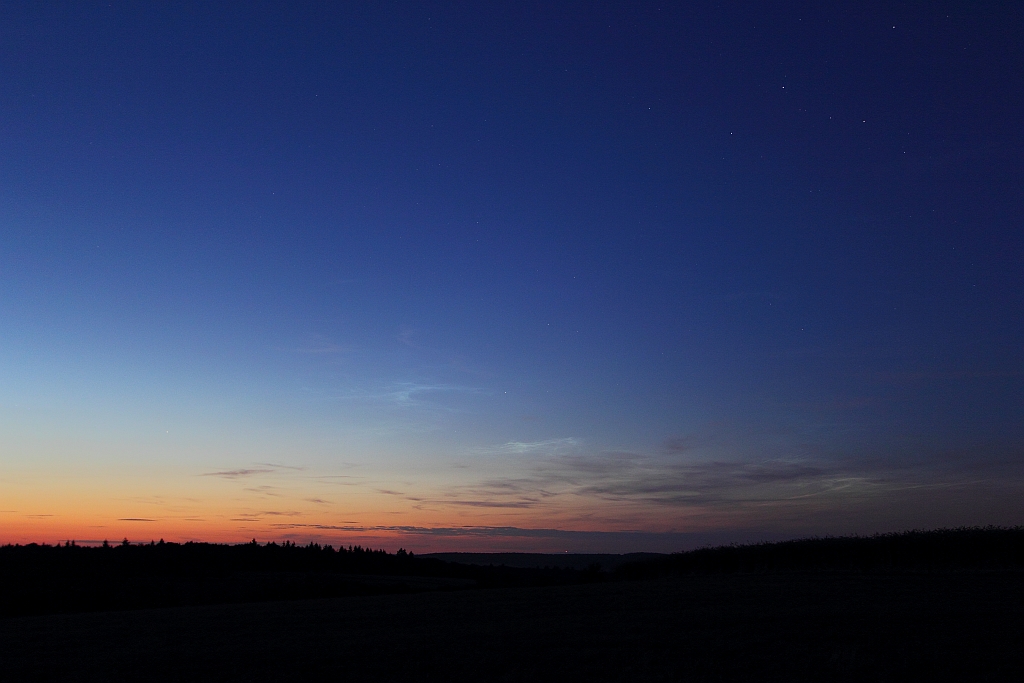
(605, 277)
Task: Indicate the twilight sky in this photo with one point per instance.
(586, 277)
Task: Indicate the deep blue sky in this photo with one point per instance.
(581, 269)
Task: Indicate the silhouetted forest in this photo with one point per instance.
(42, 579)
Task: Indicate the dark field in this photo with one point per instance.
(577, 561)
(780, 626)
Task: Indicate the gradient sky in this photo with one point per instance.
(555, 276)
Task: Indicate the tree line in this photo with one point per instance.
(68, 577)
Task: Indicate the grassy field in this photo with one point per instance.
(810, 626)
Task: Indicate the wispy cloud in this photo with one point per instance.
(408, 395)
(261, 468)
(239, 473)
(652, 481)
(264, 490)
(554, 481)
(679, 444)
(549, 446)
(415, 394)
(260, 514)
(494, 503)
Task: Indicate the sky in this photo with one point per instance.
(586, 277)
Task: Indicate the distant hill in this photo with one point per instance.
(942, 549)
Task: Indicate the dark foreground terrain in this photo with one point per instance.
(915, 606)
(781, 626)
(574, 561)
